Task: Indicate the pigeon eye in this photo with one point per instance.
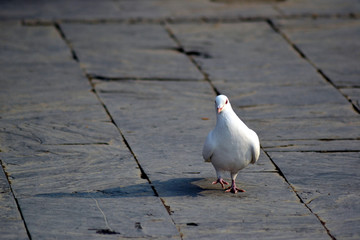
(226, 101)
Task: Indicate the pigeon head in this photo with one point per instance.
(222, 103)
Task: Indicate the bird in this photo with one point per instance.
(231, 145)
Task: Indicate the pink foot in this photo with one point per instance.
(233, 188)
(221, 181)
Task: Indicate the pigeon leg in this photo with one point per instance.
(221, 181)
(233, 188)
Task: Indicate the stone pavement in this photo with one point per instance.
(105, 105)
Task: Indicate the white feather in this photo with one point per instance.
(231, 145)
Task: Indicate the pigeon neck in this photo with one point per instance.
(224, 115)
(228, 118)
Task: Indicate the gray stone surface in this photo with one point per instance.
(24, 47)
(12, 225)
(321, 145)
(82, 217)
(84, 190)
(295, 104)
(127, 9)
(330, 187)
(65, 9)
(264, 77)
(180, 106)
(189, 9)
(72, 168)
(331, 47)
(320, 41)
(185, 108)
(252, 54)
(288, 102)
(314, 129)
(130, 51)
(319, 7)
(108, 146)
(292, 112)
(257, 55)
(69, 170)
(353, 94)
(166, 145)
(42, 89)
(171, 9)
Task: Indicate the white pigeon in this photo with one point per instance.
(231, 145)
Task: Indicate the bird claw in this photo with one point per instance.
(221, 181)
(234, 189)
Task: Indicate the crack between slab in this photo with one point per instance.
(68, 43)
(181, 49)
(192, 52)
(303, 55)
(323, 223)
(348, 86)
(356, 109)
(16, 200)
(110, 79)
(77, 144)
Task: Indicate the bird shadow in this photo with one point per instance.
(168, 188)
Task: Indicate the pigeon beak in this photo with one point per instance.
(220, 108)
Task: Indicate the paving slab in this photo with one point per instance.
(129, 51)
(252, 53)
(72, 176)
(126, 9)
(43, 112)
(168, 146)
(84, 192)
(268, 111)
(321, 145)
(312, 129)
(195, 9)
(105, 218)
(65, 9)
(320, 41)
(271, 102)
(52, 131)
(319, 7)
(263, 76)
(330, 187)
(170, 104)
(335, 56)
(304, 124)
(12, 225)
(285, 106)
(71, 168)
(66, 161)
(353, 95)
(43, 89)
(31, 45)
